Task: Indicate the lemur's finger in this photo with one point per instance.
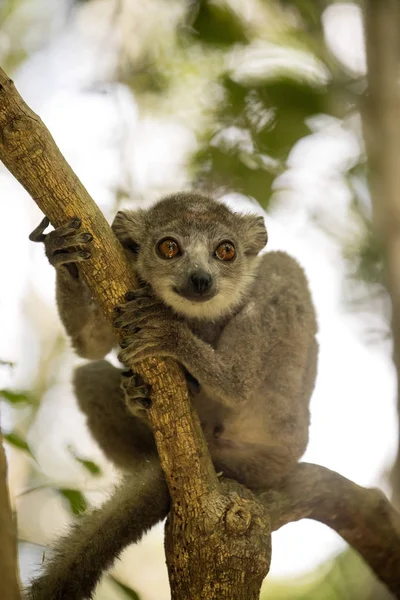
(135, 393)
(56, 241)
(127, 314)
(138, 293)
(68, 228)
(62, 258)
(136, 316)
(142, 402)
(37, 234)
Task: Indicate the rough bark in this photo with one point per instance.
(231, 537)
(31, 155)
(217, 536)
(9, 587)
(381, 120)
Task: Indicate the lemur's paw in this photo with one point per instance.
(150, 327)
(64, 245)
(140, 305)
(137, 393)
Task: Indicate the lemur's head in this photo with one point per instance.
(197, 255)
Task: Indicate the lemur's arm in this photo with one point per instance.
(95, 541)
(91, 335)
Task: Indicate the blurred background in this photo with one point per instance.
(257, 103)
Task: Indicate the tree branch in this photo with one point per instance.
(363, 517)
(9, 587)
(381, 123)
(30, 153)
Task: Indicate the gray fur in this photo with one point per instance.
(247, 344)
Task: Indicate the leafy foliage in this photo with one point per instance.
(89, 465)
(14, 439)
(254, 130)
(217, 24)
(76, 500)
(127, 591)
(13, 397)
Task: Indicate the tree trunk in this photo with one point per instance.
(9, 588)
(224, 552)
(381, 121)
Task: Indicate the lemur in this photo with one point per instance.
(242, 325)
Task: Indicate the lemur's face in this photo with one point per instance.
(198, 273)
(197, 255)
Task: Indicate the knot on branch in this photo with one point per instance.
(238, 517)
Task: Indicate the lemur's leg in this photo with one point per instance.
(114, 403)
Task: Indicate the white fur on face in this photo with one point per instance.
(227, 298)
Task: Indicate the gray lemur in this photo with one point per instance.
(242, 326)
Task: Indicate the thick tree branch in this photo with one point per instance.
(30, 153)
(363, 517)
(9, 587)
(381, 121)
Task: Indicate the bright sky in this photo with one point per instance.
(353, 426)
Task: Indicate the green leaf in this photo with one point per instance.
(16, 440)
(129, 593)
(16, 397)
(217, 24)
(89, 465)
(291, 101)
(76, 500)
(6, 363)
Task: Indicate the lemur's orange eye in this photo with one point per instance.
(168, 249)
(225, 251)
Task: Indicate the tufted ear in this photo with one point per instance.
(255, 234)
(129, 228)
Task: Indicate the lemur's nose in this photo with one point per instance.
(201, 281)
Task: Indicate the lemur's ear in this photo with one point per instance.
(128, 226)
(255, 234)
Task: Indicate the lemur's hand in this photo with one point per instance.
(64, 245)
(152, 329)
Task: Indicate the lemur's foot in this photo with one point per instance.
(63, 246)
(137, 392)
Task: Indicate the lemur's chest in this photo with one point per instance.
(207, 332)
